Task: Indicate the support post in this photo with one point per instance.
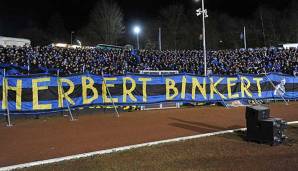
(61, 88)
(6, 100)
(223, 101)
(110, 95)
(28, 67)
(266, 75)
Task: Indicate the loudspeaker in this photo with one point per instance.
(257, 113)
(253, 115)
(261, 128)
(272, 131)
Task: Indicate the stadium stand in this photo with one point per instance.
(35, 60)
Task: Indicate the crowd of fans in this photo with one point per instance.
(46, 59)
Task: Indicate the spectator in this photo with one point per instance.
(95, 61)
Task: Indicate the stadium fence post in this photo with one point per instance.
(110, 95)
(266, 75)
(62, 90)
(6, 100)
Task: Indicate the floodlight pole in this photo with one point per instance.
(159, 38)
(72, 32)
(244, 37)
(138, 41)
(137, 31)
(204, 39)
(203, 11)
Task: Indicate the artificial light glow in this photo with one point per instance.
(62, 45)
(137, 29)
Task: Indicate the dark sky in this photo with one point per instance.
(16, 14)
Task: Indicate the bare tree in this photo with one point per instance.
(172, 18)
(105, 24)
(33, 32)
(193, 31)
(56, 28)
(293, 22)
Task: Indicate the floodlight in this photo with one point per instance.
(137, 29)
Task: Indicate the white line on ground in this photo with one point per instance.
(101, 152)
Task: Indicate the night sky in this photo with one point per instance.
(16, 14)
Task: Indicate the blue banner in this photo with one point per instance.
(46, 93)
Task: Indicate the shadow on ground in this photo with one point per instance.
(199, 126)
